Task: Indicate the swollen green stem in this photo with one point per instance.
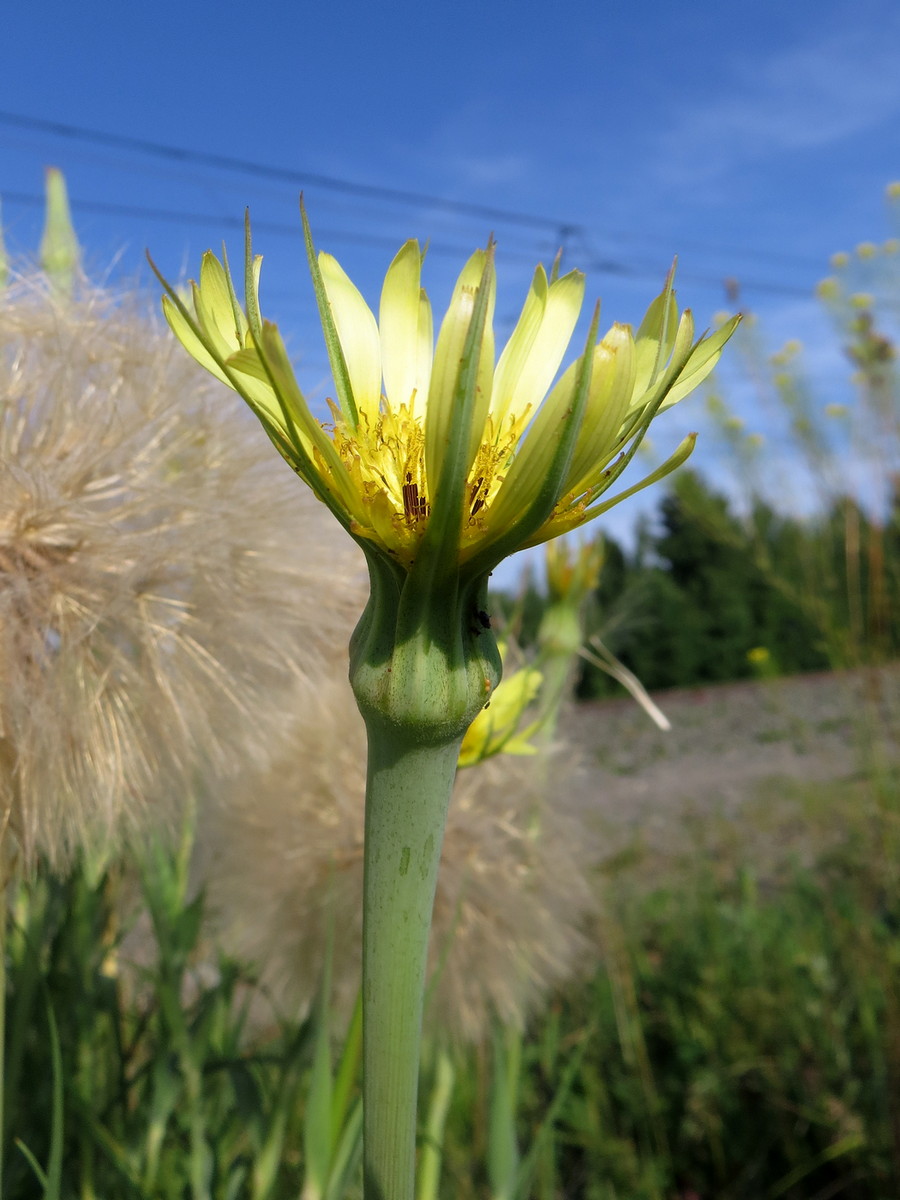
(421, 667)
(407, 795)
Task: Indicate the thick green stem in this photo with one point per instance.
(407, 795)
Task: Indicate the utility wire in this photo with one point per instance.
(592, 262)
(279, 228)
(564, 231)
(286, 174)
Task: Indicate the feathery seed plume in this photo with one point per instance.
(160, 586)
(510, 903)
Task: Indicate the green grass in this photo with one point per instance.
(163, 1093)
(739, 1039)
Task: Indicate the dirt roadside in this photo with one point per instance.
(734, 757)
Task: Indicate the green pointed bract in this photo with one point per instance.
(60, 253)
(682, 453)
(336, 356)
(309, 443)
(252, 269)
(459, 407)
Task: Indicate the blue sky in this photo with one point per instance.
(753, 140)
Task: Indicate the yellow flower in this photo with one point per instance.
(434, 447)
(573, 572)
(497, 728)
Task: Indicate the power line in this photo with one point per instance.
(285, 174)
(563, 230)
(594, 263)
(279, 228)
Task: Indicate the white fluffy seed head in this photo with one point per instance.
(284, 864)
(166, 587)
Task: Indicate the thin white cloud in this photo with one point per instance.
(493, 169)
(800, 98)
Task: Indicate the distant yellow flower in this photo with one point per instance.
(435, 445)
(573, 572)
(862, 300)
(828, 289)
(498, 727)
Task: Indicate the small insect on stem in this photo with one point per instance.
(482, 621)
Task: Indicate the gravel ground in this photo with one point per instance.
(738, 760)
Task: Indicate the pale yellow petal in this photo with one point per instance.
(701, 363)
(612, 381)
(425, 331)
(406, 331)
(664, 379)
(534, 456)
(445, 373)
(249, 377)
(655, 339)
(496, 729)
(194, 345)
(532, 356)
(358, 335)
(515, 352)
(215, 312)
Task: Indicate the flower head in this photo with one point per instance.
(439, 462)
(434, 452)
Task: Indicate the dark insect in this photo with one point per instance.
(482, 621)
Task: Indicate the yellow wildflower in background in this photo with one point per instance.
(498, 727)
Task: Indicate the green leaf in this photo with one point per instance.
(342, 385)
